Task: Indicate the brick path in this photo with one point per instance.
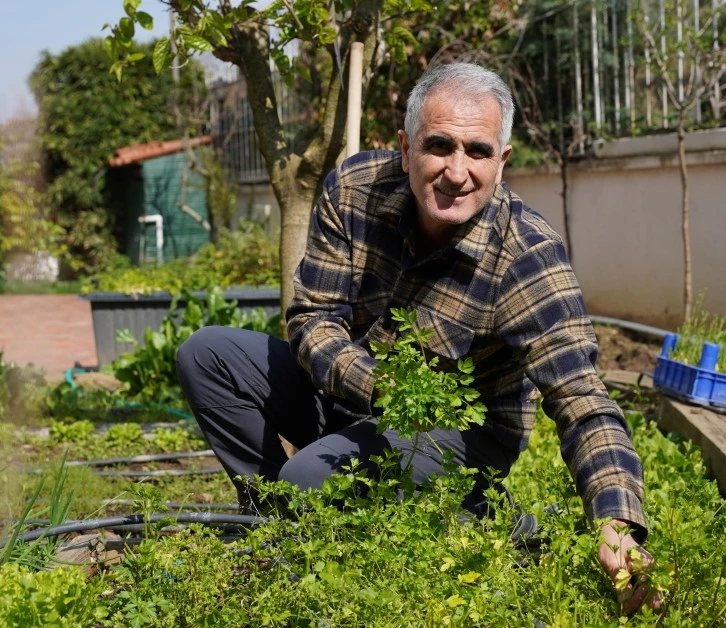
(51, 332)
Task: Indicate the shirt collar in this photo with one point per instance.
(473, 236)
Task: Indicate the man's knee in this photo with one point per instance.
(198, 351)
(202, 360)
(309, 470)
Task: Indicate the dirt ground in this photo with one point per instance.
(625, 350)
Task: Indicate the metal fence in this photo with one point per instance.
(580, 70)
(233, 127)
(593, 68)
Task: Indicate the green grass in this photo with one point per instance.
(701, 327)
(16, 286)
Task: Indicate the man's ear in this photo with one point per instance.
(505, 155)
(405, 147)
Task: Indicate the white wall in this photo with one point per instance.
(625, 225)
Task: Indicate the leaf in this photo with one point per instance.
(469, 577)
(622, 579)
(162, 55)
(130, 7)
(455, 600)
(125, 335)
(126, 28)
(198, 43)
(111, 47)
(448, 563)
(466, 365)
(117, 69)
(137, 56)
(145, 20)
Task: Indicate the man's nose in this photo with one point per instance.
(456, 171)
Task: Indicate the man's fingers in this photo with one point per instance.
(634, 594)
(619, 563)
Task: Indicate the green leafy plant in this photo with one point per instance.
(149, 373)
(247, 256)
(342, 556)
(124, 435)
(414, 395)
(74, 432)
(61, 597)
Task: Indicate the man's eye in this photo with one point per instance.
(479, 153)
(440, 149)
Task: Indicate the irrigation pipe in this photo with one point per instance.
(137, 527)
(155, 474)
(132, 404)
(175, 505)
(107, 462)
(145, 474)
(205, 518)
(638, 327)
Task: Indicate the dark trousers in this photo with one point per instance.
(245, 388)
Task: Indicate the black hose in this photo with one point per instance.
(107, 462)
(138, 527)
(176, 505)
(206, 518)
(154, 474)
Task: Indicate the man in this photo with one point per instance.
(431, 228)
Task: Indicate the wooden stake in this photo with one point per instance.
(355, 82)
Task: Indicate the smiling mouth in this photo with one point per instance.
(453, 193)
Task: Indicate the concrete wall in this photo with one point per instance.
(257, 202)
(625, 225)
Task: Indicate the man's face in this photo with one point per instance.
(454, 162)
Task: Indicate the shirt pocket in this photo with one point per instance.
(450, 341)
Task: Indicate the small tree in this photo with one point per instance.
(241, 34)
(689, 63)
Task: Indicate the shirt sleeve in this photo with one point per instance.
(541, 315)
(319, 317)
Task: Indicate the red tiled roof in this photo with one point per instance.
(141, 152)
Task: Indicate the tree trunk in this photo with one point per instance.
(294, 223)
(685, 216)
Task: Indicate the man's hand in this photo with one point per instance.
(620, 556)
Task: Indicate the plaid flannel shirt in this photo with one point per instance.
(502, 292)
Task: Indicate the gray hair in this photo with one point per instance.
(467, 78)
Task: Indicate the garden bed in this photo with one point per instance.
(376, 561)
(113, 311)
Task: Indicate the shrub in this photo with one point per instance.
(246, 257)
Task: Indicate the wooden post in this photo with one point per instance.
(355, 83)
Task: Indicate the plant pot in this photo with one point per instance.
(112, 311)
(700, 384)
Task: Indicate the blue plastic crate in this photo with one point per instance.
(698, 384)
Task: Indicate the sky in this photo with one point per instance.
(27, 27)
